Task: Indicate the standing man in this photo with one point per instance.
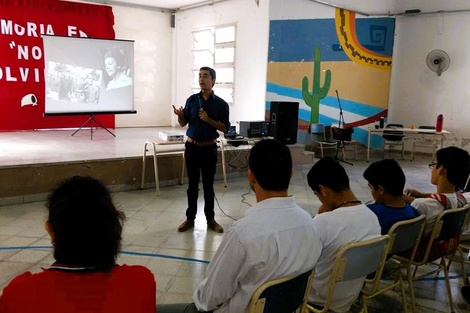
(275, 238)
(205, 113)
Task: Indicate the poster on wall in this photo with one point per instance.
(22, 67)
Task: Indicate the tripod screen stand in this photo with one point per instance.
(90, 121)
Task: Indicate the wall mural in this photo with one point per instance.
(318, 93)
(350, 56)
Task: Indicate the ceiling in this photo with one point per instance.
(399, 7)
(383, 7)
(165, 5)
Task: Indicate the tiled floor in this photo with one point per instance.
(178, 260)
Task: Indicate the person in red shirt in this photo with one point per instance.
(85, 229)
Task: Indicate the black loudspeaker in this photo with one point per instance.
(284, 121)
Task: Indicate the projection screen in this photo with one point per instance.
(88, 76)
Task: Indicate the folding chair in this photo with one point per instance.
(404, 236)
(355, 260)
(392, 136)
(318, 138)
(425, 140)
(343, 137)
(286, 295)
(461, 255)
(462, 258)
(448, 225)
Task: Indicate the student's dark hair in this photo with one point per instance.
(388, 174)
(456, 161)
(329, 173)
(86, 224)
(210, 69)
(271, 163)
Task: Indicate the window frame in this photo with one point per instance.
(216, 66)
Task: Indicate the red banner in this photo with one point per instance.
(22, 84)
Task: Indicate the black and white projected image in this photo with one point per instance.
(117, 70)
(85, 75)
(73, 83)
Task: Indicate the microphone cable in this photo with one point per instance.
(218, 204)
(243, 201)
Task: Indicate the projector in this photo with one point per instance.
(171, 136)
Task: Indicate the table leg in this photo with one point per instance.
(368, 145)
(142, 182)
(155, 169)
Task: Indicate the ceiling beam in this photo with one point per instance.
(199, 4)
(132, 5)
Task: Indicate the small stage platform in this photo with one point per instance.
(32, 162)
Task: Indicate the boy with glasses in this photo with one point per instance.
(449, 173)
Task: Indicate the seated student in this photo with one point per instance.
(449, 173)
(386, 182)
(276, 238)
(85, 229)
(342, 219)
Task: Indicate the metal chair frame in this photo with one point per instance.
(343, 143)
(318, 137)
(449, 223)
(404, 236)
(355, 260)
(425, 140)
(392, 136)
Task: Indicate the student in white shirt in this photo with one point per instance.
(342, 219)
(276, 238)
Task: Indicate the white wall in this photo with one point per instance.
(163, 63)
(152, 33)
(417, 94)
(298, 9)
(251, 53)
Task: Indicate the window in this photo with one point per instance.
(215, 47)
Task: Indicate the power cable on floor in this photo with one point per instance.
(246, 194)
(218, 204)
(243, 201)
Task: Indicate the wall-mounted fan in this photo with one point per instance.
(438, 61)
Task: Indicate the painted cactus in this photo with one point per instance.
(313, 99)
